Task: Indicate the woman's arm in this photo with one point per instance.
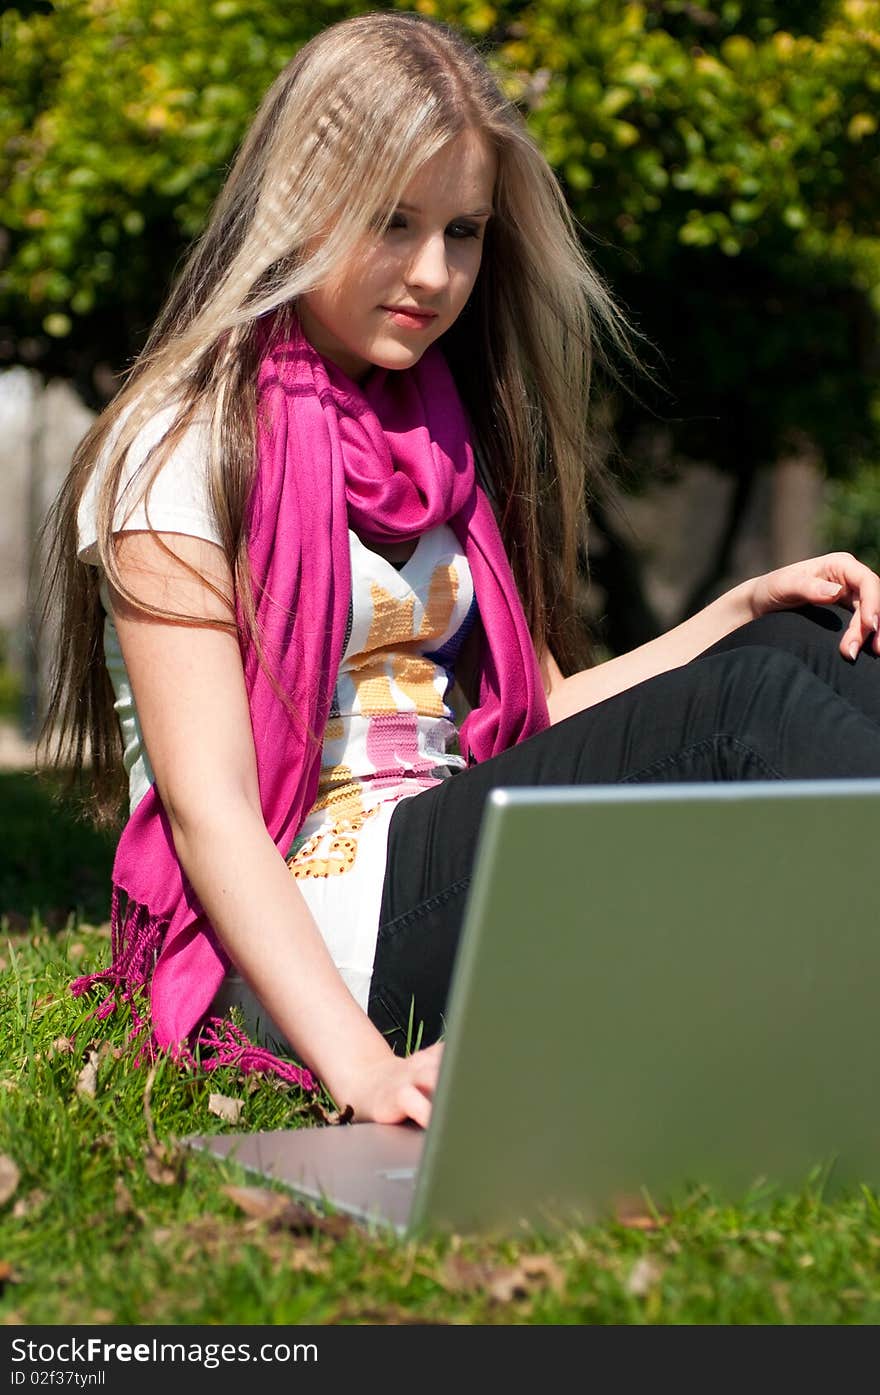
(189, 689)
(836, 577)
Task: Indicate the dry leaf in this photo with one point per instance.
(542, 1271)
(460, 1275)
(645, 1273)
(87, 1080)
(225, 1108)
(502, 1283)
(506, 1284)
(123, 1204)
(28, 1204)
(9, 1177)
(259, 1202)
(304, 1260)
(164, 1166)
(643, 1222)
(334, 1116)
(61, 1046)
(531, 1273)
(286, 1214)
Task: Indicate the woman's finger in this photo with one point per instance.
(861, 630)
(415, 1105)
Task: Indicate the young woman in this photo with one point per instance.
(337, 500)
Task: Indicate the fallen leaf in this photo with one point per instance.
(331, 1116)
(460, 1275)
(61, 1046)
(164, 1165)
(528, 1276)
(542, 1271)
(123, 1204)
(9, 1178)
(259, 1202)
(286, 1214)
(225, 1108)
(645, 1273)
(506, 1284)
(503, 1283)
(28, 1204)
(642, 1221)
(87, 1080)
(304, 1260)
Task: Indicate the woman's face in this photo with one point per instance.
(412, 281)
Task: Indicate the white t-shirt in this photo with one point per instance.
(391, 728)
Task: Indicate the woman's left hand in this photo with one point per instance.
(835, 578)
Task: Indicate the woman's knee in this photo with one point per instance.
(753, 680)
(796, 631)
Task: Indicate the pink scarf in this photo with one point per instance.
(391, 460)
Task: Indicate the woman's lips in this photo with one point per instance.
(410, 319)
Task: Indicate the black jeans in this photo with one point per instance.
(773, 700)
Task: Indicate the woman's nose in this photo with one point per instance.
(428, 267)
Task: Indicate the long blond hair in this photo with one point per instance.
(339, 135)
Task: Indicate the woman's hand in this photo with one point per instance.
(835, 578)
(397, 1088)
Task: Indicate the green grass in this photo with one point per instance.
(112, 1222)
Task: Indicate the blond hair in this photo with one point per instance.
(339, 135)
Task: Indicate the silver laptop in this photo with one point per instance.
(658, 987)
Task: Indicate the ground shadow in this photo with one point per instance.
(52, 861)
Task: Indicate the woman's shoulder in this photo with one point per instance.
(179, 496)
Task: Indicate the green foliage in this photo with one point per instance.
(118, 124)
(852, 515)
(727, 174)
(723, 160)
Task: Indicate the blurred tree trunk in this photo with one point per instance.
(798, 484)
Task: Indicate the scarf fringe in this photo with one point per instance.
(135, 940)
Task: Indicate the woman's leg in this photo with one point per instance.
(812, 634)
(744, 713)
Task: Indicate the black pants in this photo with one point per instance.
(773, 700)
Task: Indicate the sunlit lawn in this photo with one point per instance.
(105, 1218)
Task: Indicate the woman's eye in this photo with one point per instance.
(463, 230)
(383, 221)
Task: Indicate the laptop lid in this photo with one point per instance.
(659, 986)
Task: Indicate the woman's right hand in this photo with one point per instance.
(397, 1088)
